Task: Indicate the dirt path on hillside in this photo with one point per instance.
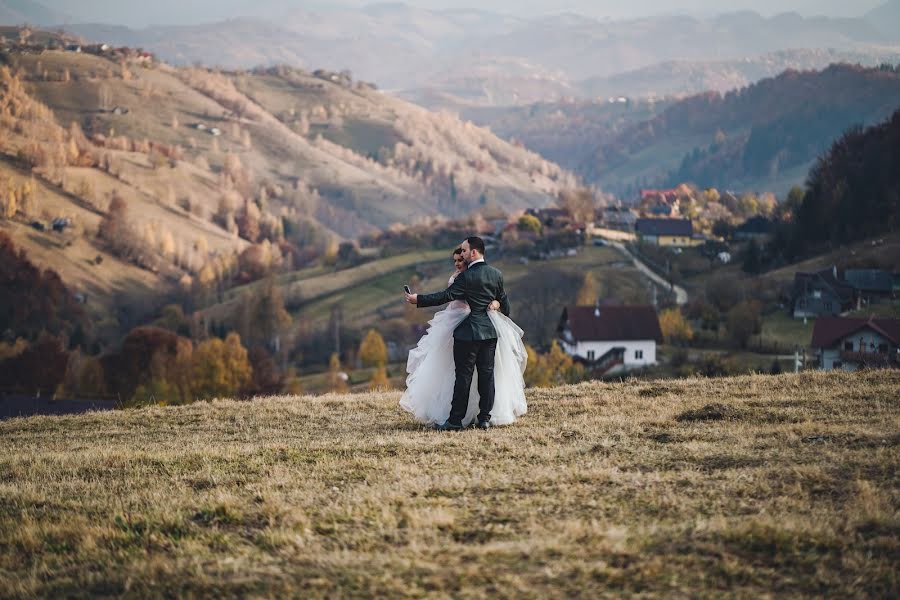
(681, 295)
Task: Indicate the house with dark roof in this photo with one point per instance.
(870, 284)
(617, 217)
(610, 339)
(667, 232)
(820, 293)
(851, 344)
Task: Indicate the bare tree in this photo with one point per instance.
(547, 293)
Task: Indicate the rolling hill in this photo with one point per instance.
(200, 155)
(745, 487)
(21, 12)
(681, 78)
(762, 137)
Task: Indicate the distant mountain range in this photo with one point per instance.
(764, 136)
(681, 78)
(20, 12)
(458, 58)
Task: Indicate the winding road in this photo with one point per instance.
(681, 296)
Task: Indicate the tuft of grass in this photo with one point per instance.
(780, 485)
(710, 412)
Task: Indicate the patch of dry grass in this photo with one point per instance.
(600, 490)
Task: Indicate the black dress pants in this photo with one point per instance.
(468, 356)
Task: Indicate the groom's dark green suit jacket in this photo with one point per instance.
(479, 285)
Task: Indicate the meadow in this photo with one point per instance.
(751, 486)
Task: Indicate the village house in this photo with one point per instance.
(610, 339)
(820, 293)
(667, 232)
(870, 285)
(851, 344)
(617, 217)
(660, 203)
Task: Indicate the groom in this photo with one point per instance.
(475, 339)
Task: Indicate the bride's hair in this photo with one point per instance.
(457, 251)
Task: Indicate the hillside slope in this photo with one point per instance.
(210, 163)
(373, 159)
(19, 12)
(750, 486)
(749, 138)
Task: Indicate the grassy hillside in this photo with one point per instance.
(751, 486)
(373, 160)
(371, 293)
(209, 163)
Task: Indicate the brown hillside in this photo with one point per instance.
(209, 163)
(748, 487)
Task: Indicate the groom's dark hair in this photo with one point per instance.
(476, 243)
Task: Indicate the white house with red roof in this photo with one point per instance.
(610, 339)
(853, 343)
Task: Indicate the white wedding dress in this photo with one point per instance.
(431, 372)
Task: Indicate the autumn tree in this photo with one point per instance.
(148, 354)
(263, 316)
(535, 373)
(267, 377)
(9, 201)
(84, 377)
(372, 350)
(221, 369)
(247, 221)
(335, 381)
(41, 366)
(529, 223)
(588, 293)
(551, 369)
(114, 227)
(34, 300)
(579, 204)
(675, 328)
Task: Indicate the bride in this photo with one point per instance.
(430, 369)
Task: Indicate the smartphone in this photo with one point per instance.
(406, 289)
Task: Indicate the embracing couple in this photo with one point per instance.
(473, 338)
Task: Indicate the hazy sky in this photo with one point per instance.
(140, 13)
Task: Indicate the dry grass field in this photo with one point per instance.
(746, 487)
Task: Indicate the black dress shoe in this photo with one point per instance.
(486, 424)
(447, 426)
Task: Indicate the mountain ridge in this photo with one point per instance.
(411, 49)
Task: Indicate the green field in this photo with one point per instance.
(366, 301)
